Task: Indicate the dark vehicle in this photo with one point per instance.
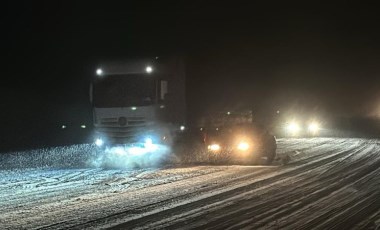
(235, 134)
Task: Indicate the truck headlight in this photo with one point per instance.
(149, 145)
(99, 142)
(214, 147)
(148, 141)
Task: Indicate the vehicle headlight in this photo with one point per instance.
(149, 145)
(293, 128)
(99, 142)
(243, 146)
(214, 147)
(314, 127)
(148, 141)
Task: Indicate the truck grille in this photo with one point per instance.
(125, 130)
(130, 121)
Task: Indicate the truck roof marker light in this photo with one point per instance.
(149, 69)
(99, 72)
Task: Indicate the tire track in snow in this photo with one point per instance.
(96, 203)
(108, 209)
(164, 202)
(319, 190)
(313, 143)
(287, 172)
(141, 209)
(241, 209)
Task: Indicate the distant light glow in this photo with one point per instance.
(149, 69)
(162, 106)
(293, 128)
(63, 127)
(99, 142)
(99, 72)
(182, 128)
(314, 127)
(133, 108)
(83, 126)
(228, 113)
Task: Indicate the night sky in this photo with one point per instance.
(288, 57)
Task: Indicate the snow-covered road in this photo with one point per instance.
(328, 183)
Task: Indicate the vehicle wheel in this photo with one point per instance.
(270, 150)
(270, 157)
(254, 160)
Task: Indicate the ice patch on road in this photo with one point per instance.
(130, 157)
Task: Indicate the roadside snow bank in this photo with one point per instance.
(74, 156)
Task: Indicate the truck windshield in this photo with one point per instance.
(124, 91)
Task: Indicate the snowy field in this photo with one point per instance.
(326, 183)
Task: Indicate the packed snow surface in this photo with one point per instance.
(317, 183)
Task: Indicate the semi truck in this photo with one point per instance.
(139, 103)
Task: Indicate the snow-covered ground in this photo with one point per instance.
(328, 183)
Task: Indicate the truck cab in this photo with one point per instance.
(138, 101)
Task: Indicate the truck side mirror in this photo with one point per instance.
(163, 89)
